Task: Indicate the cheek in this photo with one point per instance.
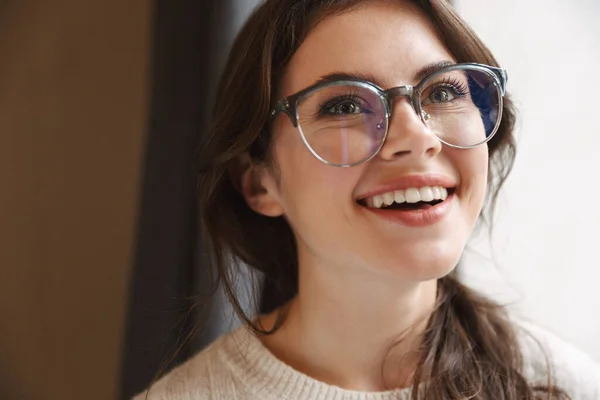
(307, 184)
(473, 170)
(317, 199)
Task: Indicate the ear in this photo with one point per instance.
(258, 187)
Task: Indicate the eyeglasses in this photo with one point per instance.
(345, 122)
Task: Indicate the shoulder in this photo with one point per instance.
(206, 375)
(189, 380)
(570, 369)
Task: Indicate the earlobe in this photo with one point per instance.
(259, 191)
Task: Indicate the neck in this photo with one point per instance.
(346, 325)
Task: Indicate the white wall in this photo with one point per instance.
(545, 253)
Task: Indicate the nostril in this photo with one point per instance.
(401, 153)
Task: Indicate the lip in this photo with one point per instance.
(417, 218)
(410, 181)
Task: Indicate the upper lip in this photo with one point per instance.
(410, 181)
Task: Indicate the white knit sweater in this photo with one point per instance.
(238, 367)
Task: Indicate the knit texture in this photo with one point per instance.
(238, 367)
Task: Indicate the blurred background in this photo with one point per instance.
(100, 106)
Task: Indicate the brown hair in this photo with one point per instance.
(470, 347)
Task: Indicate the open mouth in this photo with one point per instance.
(410, 199)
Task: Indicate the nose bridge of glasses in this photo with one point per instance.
(400, 91)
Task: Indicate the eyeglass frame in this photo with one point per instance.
(289, 105)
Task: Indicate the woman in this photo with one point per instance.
(352, 147)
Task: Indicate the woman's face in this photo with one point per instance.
(390, 43)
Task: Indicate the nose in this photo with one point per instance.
(407, 135)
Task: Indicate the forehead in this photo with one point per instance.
(390, 42)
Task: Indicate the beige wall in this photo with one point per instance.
(73, 89)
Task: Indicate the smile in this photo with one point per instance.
(415, 206)
(408, 199)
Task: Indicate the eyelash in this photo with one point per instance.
(453, 83)
(325, 107)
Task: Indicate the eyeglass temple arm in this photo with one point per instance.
(502, 76)
(283, 106)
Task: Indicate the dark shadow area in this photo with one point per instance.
(164, 259)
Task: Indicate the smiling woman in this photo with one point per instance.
(352, 148)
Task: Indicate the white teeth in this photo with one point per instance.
(399, 196)
(388, 198)
(377, 201)
(410, 195)
(426, 193)
(443, 194)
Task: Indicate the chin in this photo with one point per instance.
(424, 263)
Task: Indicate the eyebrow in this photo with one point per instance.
(431, 68)
(422, 73)
(340, 76)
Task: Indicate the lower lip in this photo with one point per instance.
(417, 218)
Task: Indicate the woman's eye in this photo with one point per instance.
(442, 95)
(346, 107)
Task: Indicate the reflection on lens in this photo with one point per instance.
(462, 106)
(343, 124)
